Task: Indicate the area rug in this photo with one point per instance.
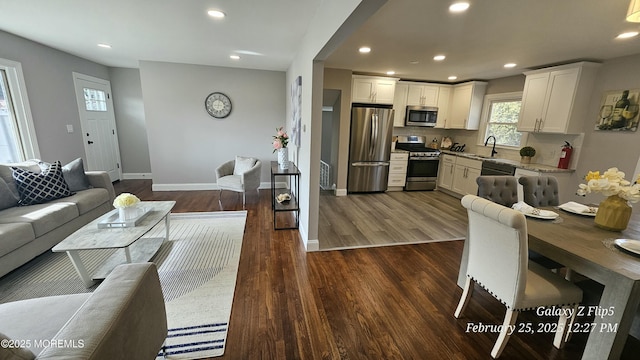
(198, 269)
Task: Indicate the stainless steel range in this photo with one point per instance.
(422, 171)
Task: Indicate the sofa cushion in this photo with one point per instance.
(243, 164)
(7, 174)
(7, 199)
(37, 188)
(231, 182)
(14, 236)
(39, 318)
(86, 200)
(13, 352)
(73, 174)
(42, 217)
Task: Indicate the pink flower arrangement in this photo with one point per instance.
(280, 140)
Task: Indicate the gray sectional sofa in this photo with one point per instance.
(27, 231)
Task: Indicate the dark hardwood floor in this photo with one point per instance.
(394, 302)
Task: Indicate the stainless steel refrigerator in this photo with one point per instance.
(370, 148)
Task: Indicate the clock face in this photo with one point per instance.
(218, 105)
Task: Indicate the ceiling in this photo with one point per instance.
(267, 34)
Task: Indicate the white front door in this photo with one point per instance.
(98, 123)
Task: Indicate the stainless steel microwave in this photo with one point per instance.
(421, 116)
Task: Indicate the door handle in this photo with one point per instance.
(89, 142)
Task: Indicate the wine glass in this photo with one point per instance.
(605, 113)
(629, 113)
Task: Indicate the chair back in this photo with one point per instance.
(498, 250)
(540, 190)
(501, 189)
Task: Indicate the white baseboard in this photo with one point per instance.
(207, 186)
(341, 192)
(136, 176)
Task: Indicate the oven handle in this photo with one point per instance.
(377, 163)
(424, 158)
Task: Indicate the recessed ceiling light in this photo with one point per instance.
(459, 7)
(106, 46)
(365, 49)
(234, 57)
(391, 72)
(627, 35)
(510, 65)
(216, 14)
(439, 57)
(452, 77)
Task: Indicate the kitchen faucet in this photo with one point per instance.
(493, 150)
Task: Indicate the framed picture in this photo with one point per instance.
(618, 111)
(296, 110)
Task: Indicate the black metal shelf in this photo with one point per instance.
(292, 205)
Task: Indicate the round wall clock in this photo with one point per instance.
(218, 105)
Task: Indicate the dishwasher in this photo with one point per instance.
(495, 168)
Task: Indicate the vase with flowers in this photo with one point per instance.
(127, 205)
(280, 141)
(614, 212)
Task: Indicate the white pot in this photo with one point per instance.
(127, 213)
(283, 158)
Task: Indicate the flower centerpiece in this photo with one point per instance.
(280, 141)
(126, 204)
(614, 212)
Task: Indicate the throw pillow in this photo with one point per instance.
(73, 174)
(37, 188)
(7, 199)
(14, 352)
(243, 164)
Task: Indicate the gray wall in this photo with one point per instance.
(48, 74)
(185, 143)
(132, 131)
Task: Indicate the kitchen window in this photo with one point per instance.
(17, 133)
(500, 116)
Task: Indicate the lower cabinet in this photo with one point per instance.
(398, 171)
(458, 174)
(465, 175)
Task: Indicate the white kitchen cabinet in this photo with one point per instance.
(445, 173)
(422, 95)
(555, 100)
(400, 104)
(466, 105)
(464, 176)
(444, 99)
(398, 171)
(372, 89)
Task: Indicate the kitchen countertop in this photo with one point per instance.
(517, 164)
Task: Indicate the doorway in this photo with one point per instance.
(98, 123)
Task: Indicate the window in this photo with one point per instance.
(17, 133)
(94, 100)
(501, 113)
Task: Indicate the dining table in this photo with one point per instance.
(576, 242)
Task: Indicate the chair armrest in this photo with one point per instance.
(251, 178)
(100, 179)
(125, 318)
(225, 169)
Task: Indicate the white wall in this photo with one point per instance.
(132, 132)
(48, 75)
(185, 143)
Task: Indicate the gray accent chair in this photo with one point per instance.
(539, 191)
(236, 175)
(502, 189)
(497, 261)
(124, 318)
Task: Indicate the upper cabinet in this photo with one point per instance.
(422, 94)
(466, 106)
(372, 89)
(444, 99)
(555, 100)
(400, 104)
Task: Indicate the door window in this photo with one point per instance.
(94, 99)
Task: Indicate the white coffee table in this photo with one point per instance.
(136, 248)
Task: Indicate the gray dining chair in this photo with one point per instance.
(502, 189)
(498, 262)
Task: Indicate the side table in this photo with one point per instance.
(293, 206)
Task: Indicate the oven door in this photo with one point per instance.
(422, 173)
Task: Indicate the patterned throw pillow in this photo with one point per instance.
(37, 188)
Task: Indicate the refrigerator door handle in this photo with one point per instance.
(377, 163)
(372, 134)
